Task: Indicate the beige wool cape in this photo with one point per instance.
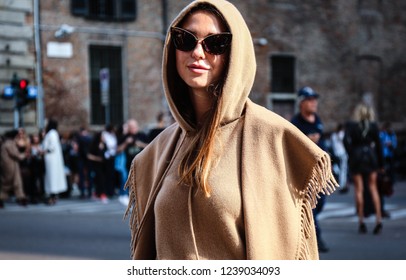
(281, 170)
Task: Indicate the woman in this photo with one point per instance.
(55, 178)
(37, 167)
(229, 179)
(97, 156)
(10, 175)
(23, 144)
(365, 159)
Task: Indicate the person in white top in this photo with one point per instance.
(340, 153)
(55, 178)
(110, 139)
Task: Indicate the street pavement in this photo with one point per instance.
(339, 225)
(72, 229)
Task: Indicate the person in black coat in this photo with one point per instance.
(365, 159)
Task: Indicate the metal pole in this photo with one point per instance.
(16, 113)
(107, 113)
(38, 69)
(15, 99)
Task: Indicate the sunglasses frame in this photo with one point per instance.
(203, 42)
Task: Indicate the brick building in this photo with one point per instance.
(17, 56)
(340, 48)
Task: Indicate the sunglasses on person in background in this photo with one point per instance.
(214, 44)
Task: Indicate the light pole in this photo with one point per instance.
(38, 68)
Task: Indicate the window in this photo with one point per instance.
(105, 10)
(283, 73)
(282, 97)
(106, 57)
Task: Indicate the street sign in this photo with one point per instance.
(104, 76)
(8, 92)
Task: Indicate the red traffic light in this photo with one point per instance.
(23, 84)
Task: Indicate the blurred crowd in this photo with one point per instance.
(95, 164)
(49, 165)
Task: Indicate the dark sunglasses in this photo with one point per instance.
(214, 44)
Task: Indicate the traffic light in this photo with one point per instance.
(22, 93)
(11, 90)
(23, 84)
(15, 82)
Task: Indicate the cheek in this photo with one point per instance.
(180, 63)
(218, 64)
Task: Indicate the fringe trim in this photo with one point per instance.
(321, 181)
(132, 209)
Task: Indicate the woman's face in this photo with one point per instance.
(198, 68)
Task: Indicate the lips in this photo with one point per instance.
(198, 68)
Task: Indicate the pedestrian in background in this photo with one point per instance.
(67, 148)
(110, 140)
(365, 159)
(23, 145)
(85, 182)
(55, 178)
(132, 142)
(309, 122)
(338, 148)
(10, 176)
(96, 157)
(158, 128)
(389, 144)
(120, 163)
(230, 179)
(37, 168)
(22, 140)
(135, 141)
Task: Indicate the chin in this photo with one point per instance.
(198, 84)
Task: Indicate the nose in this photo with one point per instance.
(198, 51)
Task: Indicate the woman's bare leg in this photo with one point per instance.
(359, 196)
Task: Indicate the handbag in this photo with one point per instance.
(385, 184)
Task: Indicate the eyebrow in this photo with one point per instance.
(195, 32)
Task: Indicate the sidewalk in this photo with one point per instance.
(340, 229)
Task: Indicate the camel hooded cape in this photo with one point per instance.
(281, 170)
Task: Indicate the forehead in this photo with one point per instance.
(203, 21)
(310, 99)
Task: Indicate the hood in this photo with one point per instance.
(241, 69)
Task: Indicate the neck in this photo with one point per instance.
(202, 102)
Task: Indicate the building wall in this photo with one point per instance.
(141, 55)
(341, 48)
(16, 55)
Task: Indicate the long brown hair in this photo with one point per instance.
(196, 164)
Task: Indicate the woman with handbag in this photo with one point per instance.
(365, 159)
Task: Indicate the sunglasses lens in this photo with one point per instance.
(214, 44)
(183, 41)
(217, 43)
